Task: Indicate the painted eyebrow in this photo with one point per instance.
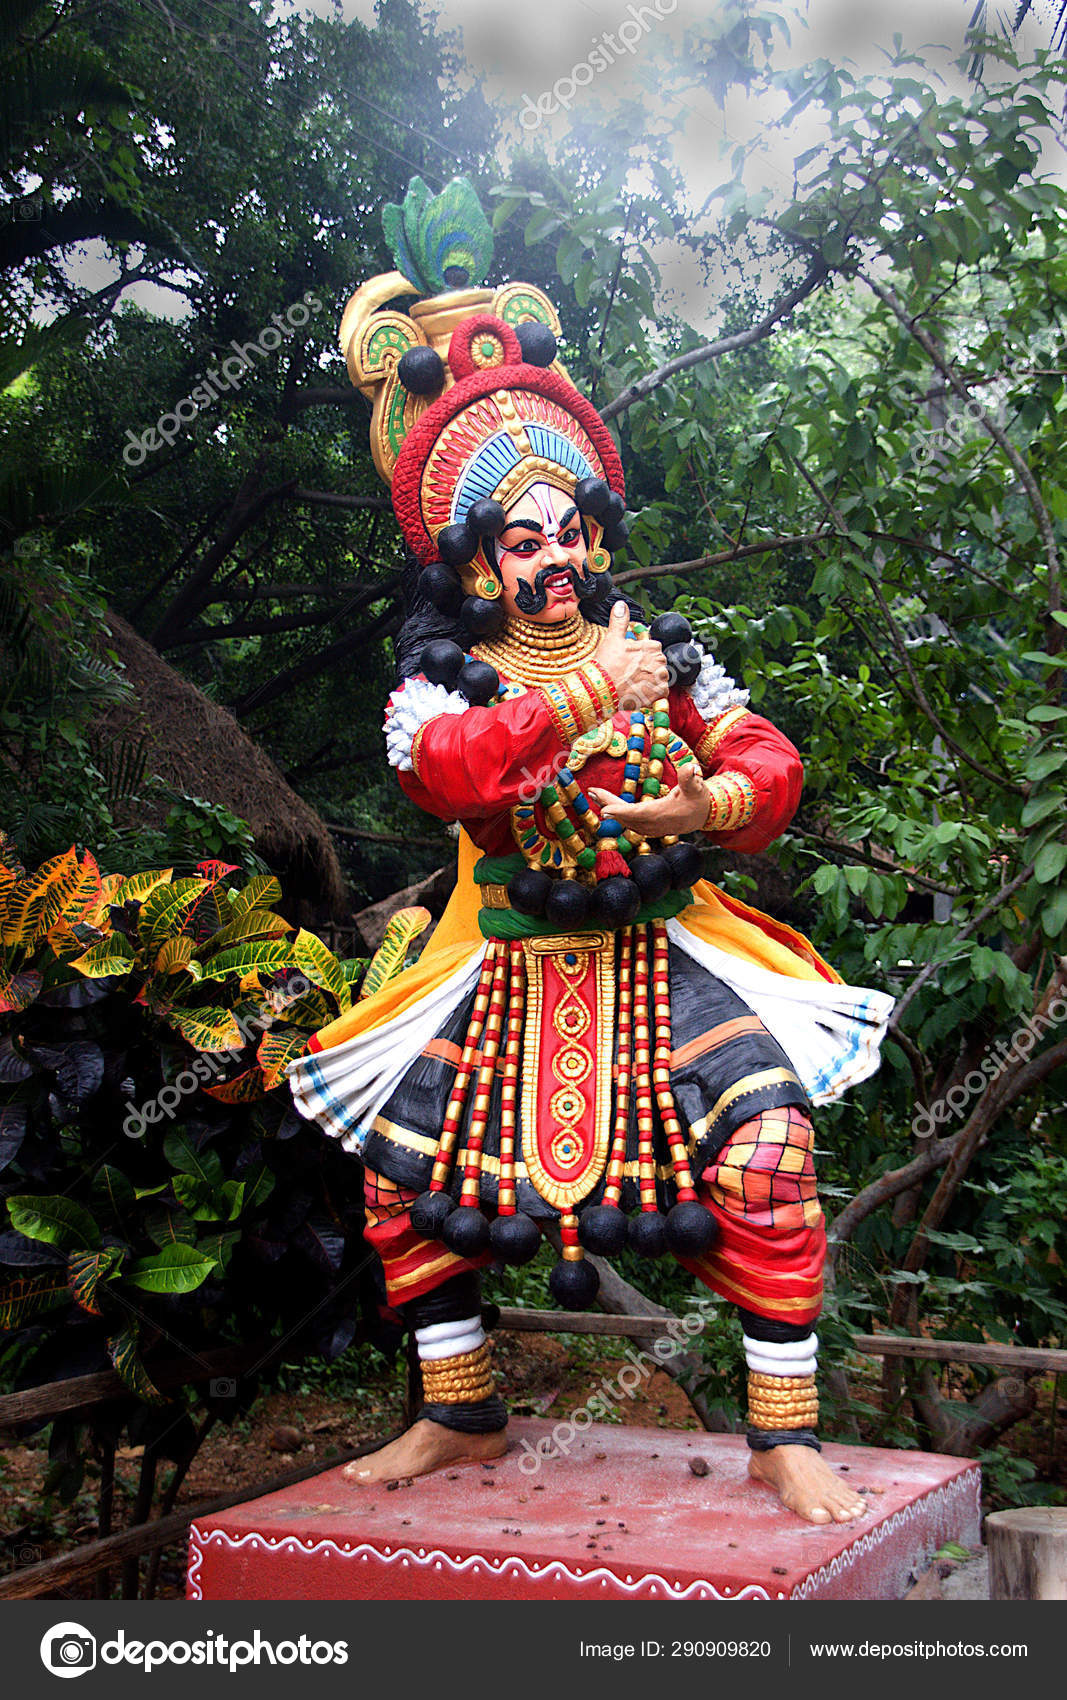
(524, 525)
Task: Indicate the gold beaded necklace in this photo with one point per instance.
(534, 654)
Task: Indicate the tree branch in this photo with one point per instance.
(738, 552)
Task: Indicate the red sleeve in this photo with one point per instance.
(480, 763)
(755, 748)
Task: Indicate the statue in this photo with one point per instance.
(595, 1037)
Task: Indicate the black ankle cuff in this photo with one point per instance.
(484, 1416)
(762, 1439)
(453, 1301)
(770, 1329)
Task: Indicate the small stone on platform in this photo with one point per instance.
(601, 1512)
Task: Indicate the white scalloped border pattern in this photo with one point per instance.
(967, 1486)
(434, 1558)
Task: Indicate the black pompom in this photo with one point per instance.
(478, 682)
(574, 1285)
(685, 863)
(529, 891)
(670, 628)
(683, 662)
(514, 1239)
(648, 1234)
(422, 371)
(440, 585)
(602, 1228)
(616, 900)
(591, 496)
(441, 661)
(614, 508)
(615, 536)
(651, 876)
(430, 1212)
(481, 616)
(537, 343)
(457, 545)
(466, 1232)
(567, 904)
(690, 1229)
(486, 518)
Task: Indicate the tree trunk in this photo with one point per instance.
(1028, 1553)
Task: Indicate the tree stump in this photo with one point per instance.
(1027, 1554)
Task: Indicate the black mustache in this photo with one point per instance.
(530, 599)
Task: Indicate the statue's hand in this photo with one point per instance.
(636, 666)
(683, 809)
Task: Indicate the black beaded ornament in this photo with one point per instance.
(591, 496)
(486, 518)
(616, 900)
(684, 662)
(651, 875)
(574, 1285)
(440, 586)
(422, 371)
(567, 904)
(529, 890)
(537, 343)
(478, 682)
(684, 863)
(441, 661)
(481, 617)
(430, 1212)
(457, 545)
(602, 1229)
(466, 1231)
(648, 1234)
(670, 628)
(690, 1229)
(514, 1239)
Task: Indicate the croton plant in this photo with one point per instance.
(162, 1196)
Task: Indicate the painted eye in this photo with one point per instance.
(571, 536)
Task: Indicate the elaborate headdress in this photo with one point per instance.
(470, 405)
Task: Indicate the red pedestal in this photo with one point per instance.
(618, 1515)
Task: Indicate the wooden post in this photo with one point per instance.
(1027, 1553)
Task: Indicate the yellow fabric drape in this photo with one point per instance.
(714, 917)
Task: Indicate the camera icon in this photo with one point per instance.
(68, 1649)
(223, 1387)
(26, 545)
(29, 211)
(28, 1555)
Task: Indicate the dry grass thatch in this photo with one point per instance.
(199, 748)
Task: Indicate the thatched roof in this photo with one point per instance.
(198, 747)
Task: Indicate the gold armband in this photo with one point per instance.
(731, 802)
(580, 701)
(462, 1380)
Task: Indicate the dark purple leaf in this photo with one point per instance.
(80, 1072)
(12, 1067)
(12, 1132)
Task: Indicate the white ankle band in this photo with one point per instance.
(449, 1339)
(782, 1357)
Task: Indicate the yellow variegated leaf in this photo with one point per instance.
(113, 955)
(122, 1350)
(97, 915)
(261, 891)
(405, 926)
(134, 888)
(274, 1052)
(37, 901)
(176, 953)
(167, 908)
(87, 893)
(249, 983)
(245, 1089)
(207, 1029)
(18, 991)
(254, 924)
(321, 967)
(310, 1012)
(245, 957)
(27, 1294)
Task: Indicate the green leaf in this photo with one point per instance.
(321, 967)
(260, 892)
(56, 1220)
(177, 1268)
(1050, 862)
(183, 1155)
(244, 957)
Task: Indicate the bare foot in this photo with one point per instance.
(806, 1484)
(425, 1446)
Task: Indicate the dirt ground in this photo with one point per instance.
(302, 1424)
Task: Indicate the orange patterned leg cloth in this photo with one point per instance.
(413, 1266)
(760, 1188)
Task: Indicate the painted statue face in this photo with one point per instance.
(541, 556)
